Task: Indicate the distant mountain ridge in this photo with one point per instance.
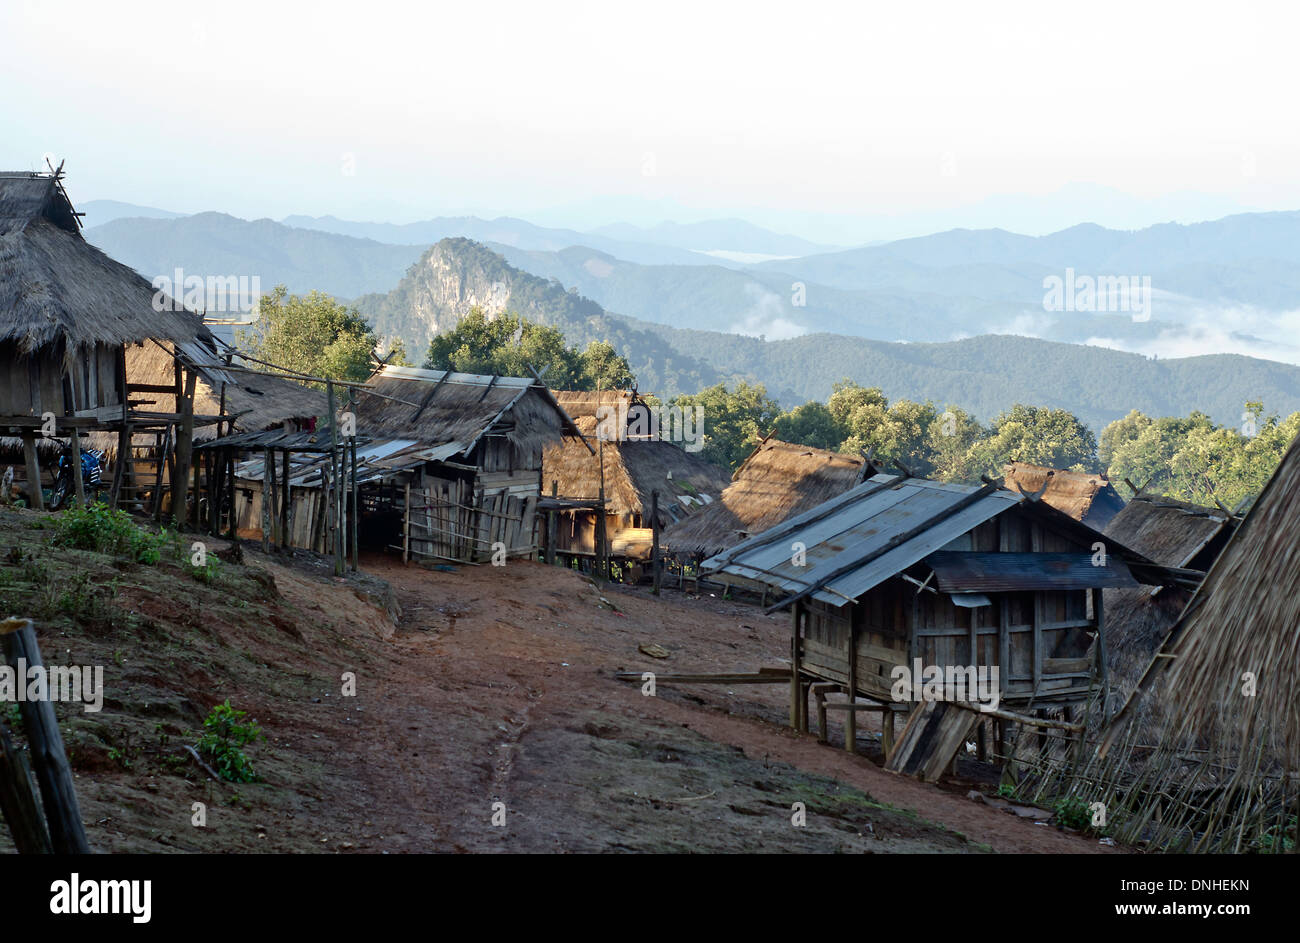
(217, 244)
(984, 374)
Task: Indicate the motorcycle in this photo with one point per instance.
(92, 475)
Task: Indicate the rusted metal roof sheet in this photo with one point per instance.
(967, 572)
(812, 546)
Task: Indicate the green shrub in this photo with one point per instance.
(225, 734)
(1073, 812)
(102, 529)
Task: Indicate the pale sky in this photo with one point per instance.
(585, 113)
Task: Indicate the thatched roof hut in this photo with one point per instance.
(1226, 722)
(634, 467)
(776, 482)
(1086, 497)
(56, 289)
(1172, 533)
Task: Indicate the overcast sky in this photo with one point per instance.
(804, 116)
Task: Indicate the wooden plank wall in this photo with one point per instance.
(1004, 633)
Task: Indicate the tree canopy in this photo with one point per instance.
(313, 334)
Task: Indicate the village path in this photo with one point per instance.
(500, 699)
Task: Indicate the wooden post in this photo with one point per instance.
(285, 542)
(50, 761)
(356, 510)
(406, 526)
(795, 612)
(78, 486)
(268, 497)
(123, 435)
(887, 731)
(184, 449)
(18, 800)
(35, 499)
(1098, 611)
(164, 447)
(851, 716)
(654, 540)
(552, 525)
(198, 481)
(336, 469)
(229, 451)
(602, 560)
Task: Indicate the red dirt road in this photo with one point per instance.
(501, 689)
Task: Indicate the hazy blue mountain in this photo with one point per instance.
(904, 302)
(504, 230)
(728, 235)
(217, 244)
(98, 212)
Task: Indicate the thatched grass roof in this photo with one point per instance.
(1089, 498)
(436, 407)
(57, 288)
(633, 468)
(777, 481)
(1172, 533)
(1215, 720)
(264, 401)
(1246, 618)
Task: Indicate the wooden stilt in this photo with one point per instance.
(851, 717)
(184, 449)
(795, 663)
(285, 542)
(654, 541)
(78, 486)
(35, 499)
(268, 497)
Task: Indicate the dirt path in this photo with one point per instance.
(502, 691)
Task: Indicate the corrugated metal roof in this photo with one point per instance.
(462, 379)
(966, 572)
(855, 526)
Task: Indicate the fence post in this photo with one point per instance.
(53, 774)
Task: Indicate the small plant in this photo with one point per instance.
(225, 734)
(1073, 812)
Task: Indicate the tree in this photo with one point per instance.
(604, 368)
(313, 334)
(1037, 434)
(508, 345)
(734, 421)
(811, 424)
(951, 442)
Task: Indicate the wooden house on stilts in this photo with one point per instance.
(901, 578)
(72, 324)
